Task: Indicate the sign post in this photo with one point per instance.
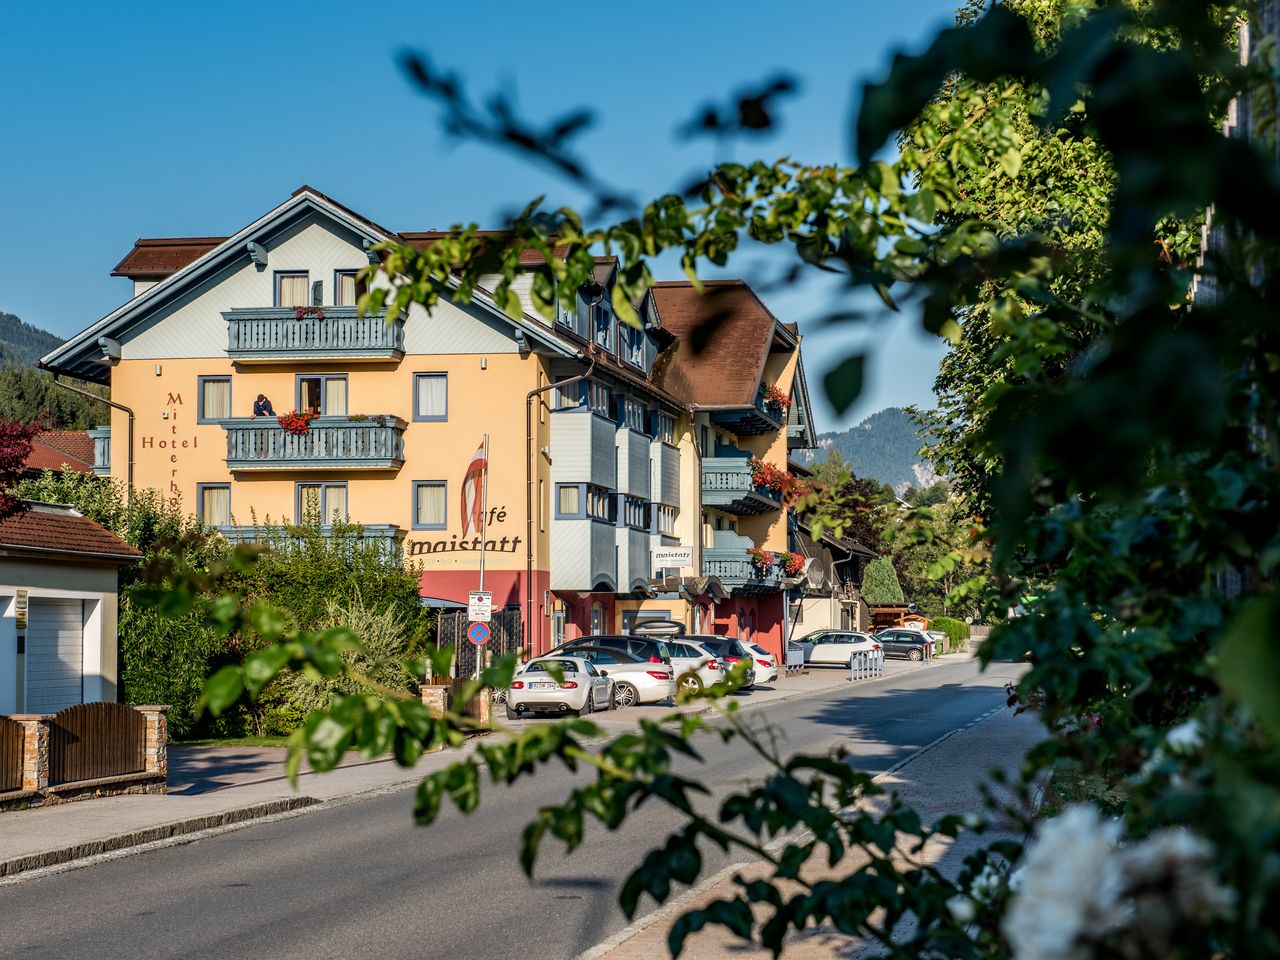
(484, 536)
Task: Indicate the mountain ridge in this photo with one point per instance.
(882, 447)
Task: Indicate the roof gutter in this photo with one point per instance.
(115, 406)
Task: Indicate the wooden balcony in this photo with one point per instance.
(331, 443)
(270, 334)
(760, 418)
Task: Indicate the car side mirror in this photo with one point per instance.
(604, 673)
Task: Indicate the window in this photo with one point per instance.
(664, 428)
(598, 398)
(569, 397)
(601, 504)
(347, 288)
(214, 503)
(293, 289)
(603, 322)
(635, 513)
(429, 505)
(542, 508)
(632, 344)
(665, 518)
(632, 415)
(568, 500)
(431, 396)
(597, 618)
(322, 502)
(325, 395)
(215, 399)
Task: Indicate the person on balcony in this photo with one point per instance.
(262, 407)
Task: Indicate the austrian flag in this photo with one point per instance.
(473, 492)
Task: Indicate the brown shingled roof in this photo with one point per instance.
(53, 529)
(724, 339)
(53, 449)
(153, 259)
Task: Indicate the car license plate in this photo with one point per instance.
(542, 686)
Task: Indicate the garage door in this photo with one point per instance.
(55, 654)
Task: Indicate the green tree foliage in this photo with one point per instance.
(880, 583)
(28, 395)
(932, 549)
(1121, 456)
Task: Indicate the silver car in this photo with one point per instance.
(582, 689)
(694, 665)
(836, 646)
(766, 664)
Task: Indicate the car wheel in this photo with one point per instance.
(625, 695)
(691, 683)
(511, 713)
(499, 696)
(915, 654)
(588, 708)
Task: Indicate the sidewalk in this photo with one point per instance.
(943, 778)
(211, 787)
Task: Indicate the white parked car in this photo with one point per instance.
(836, 646)
(766, 664)
(694, 665)
(582, 688)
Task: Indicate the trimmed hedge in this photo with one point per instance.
(957, 631)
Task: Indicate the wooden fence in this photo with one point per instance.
(94, 740)
(11, 737)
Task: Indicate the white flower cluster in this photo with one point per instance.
(1076, 886)
(1183, 741)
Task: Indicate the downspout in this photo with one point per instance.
(116, 406)
(528, 495)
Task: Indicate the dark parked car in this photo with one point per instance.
(904, 644)
(645, 648)
(728, 651)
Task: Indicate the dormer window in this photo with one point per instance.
(293, 289)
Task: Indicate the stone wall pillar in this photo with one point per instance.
(435, 697)
(157, 743)
(35, 750)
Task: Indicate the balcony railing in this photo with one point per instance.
(278, 333)
(331, 443)
(733, 568)
(383, 537)
(760, 417)
(727, 485)
(101, 437)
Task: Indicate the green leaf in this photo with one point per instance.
(1011, 162)
(1249, 662)
(844, 383)
(261, 667)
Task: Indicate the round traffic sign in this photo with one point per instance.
(478, 633)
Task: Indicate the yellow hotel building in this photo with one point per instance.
(606, 443)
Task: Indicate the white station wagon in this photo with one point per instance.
(836, 646)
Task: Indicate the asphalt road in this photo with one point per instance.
(361, 881)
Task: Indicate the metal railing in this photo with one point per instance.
(866, 664)
(329, 443)
(278, 332)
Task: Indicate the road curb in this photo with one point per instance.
(145, 835)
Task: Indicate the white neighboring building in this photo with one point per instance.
(59, 579)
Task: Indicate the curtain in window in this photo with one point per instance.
(294, 291)
(569, 503)
(216, 402)
(345, 295)
(335, 504)
(431, 504)
(432, 396)
(215, 506)
(309, 392)
(335, 397)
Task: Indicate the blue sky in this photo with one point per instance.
(182, 119)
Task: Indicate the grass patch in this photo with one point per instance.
(235, 742)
